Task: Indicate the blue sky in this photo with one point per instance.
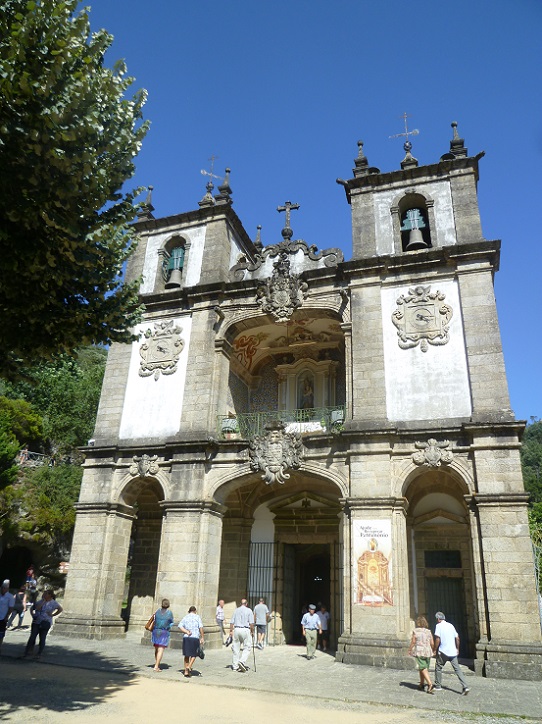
(281, 92)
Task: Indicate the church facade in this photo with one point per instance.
(308, 429)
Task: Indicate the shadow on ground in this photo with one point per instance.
(75, 685)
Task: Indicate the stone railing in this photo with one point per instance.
(315, 420)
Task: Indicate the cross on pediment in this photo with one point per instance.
(288, 207)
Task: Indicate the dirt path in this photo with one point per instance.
(46, 693)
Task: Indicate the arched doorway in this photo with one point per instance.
(440, 553)
(283, 544)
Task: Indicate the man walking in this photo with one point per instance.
(219, 616)
(241, 629)
(447, 649)
(261, 616)
(7, 602)
(311, 626)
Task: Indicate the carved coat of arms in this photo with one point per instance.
(275, 452)
(432, 453)
(161, 350)
(422, 317)
(283, 293)
(144, 465)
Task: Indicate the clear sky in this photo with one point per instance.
(282, 91)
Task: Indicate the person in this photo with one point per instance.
(43, 613)
(7, 602)
(447, 649)
(323, 638)
(19, 607)
(241, 630)
(163, 621)
(219, 616)
(261, 617)
(422, 647)
(192, 628)
(310, 624)
(31, 586)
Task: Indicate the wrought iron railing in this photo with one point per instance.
(315, 420)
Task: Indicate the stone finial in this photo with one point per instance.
(224, 197)
(258, 241)
(146, 208)
(208, 199)
(409, 161)
(362, 167)
(457, 145)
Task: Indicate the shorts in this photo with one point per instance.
(260, 627)
(423, 662)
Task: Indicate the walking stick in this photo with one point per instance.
(254, 653)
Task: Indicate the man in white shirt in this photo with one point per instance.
(7, 602)
(241, 628)
(447, 649)
(219, 616)
(261, 616)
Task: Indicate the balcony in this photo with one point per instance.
(246, 425)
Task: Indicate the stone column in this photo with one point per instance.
(514, 645)
(377, 634)
(188, 568)
(97, 574)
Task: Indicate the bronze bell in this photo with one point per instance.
(416, 240)
(175, 279)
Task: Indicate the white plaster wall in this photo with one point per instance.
(153, 408)
(440, 192)
(425, 385)
(298, 263)
(235, 250)
(195, 235)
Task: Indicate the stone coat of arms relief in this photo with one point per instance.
(283, 293)
(144, 465)
(161, 350)
(432, 453)
(275, 452)
(422, 318)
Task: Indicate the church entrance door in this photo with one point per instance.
(447, 595)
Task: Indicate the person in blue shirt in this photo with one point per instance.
(311, 626)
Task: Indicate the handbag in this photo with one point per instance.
(149, 626)
(200, 652)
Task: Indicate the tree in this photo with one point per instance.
(531, 460)
(68, 137)
(9, 448)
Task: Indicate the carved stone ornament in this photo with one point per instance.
(422, 318)
(432, 453)
(144, 465)
(281, 295)
(275, 452)
(161, 350)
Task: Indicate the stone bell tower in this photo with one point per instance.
(435, 445)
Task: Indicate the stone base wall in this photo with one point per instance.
(387, 652)
(81, 627)
(509, 661)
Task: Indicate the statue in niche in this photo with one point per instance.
(306, 401)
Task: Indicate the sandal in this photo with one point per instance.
(430, 690)
(186, 673)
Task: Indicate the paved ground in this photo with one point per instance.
(95, 671)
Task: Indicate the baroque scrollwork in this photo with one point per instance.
(432, 453)
(144, 465)
(161, 350)
(275, 452)
(283, 293)
(422, 317)
(331, 257)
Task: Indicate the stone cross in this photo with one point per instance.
(288, 207)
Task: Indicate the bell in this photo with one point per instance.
(415, 240)
(175, 279)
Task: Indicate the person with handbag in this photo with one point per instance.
(192, 628)
(43, 613)
(161, 623)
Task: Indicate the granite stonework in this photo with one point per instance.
(405, 493)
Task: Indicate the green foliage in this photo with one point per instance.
(23, 421)
(42, 506)
(9, 448)
(531, 460)
(68, 137)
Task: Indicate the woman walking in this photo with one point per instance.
(42, 614)
(192, 628)
(422, 647)
(163, 621)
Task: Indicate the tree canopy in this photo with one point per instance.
(68, 137)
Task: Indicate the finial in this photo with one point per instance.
(208, 200)
(361, 163)
(146, 209)
(287, 232)
(457, 145)
(224, 197)
(409, 161)
(258, 241)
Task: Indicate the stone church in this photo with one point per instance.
(296, 426)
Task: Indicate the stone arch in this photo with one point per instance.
(130, 486)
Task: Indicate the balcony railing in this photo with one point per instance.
(315, 420)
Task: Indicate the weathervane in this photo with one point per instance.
(409, 159)
(287, 232)
(210, 173)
